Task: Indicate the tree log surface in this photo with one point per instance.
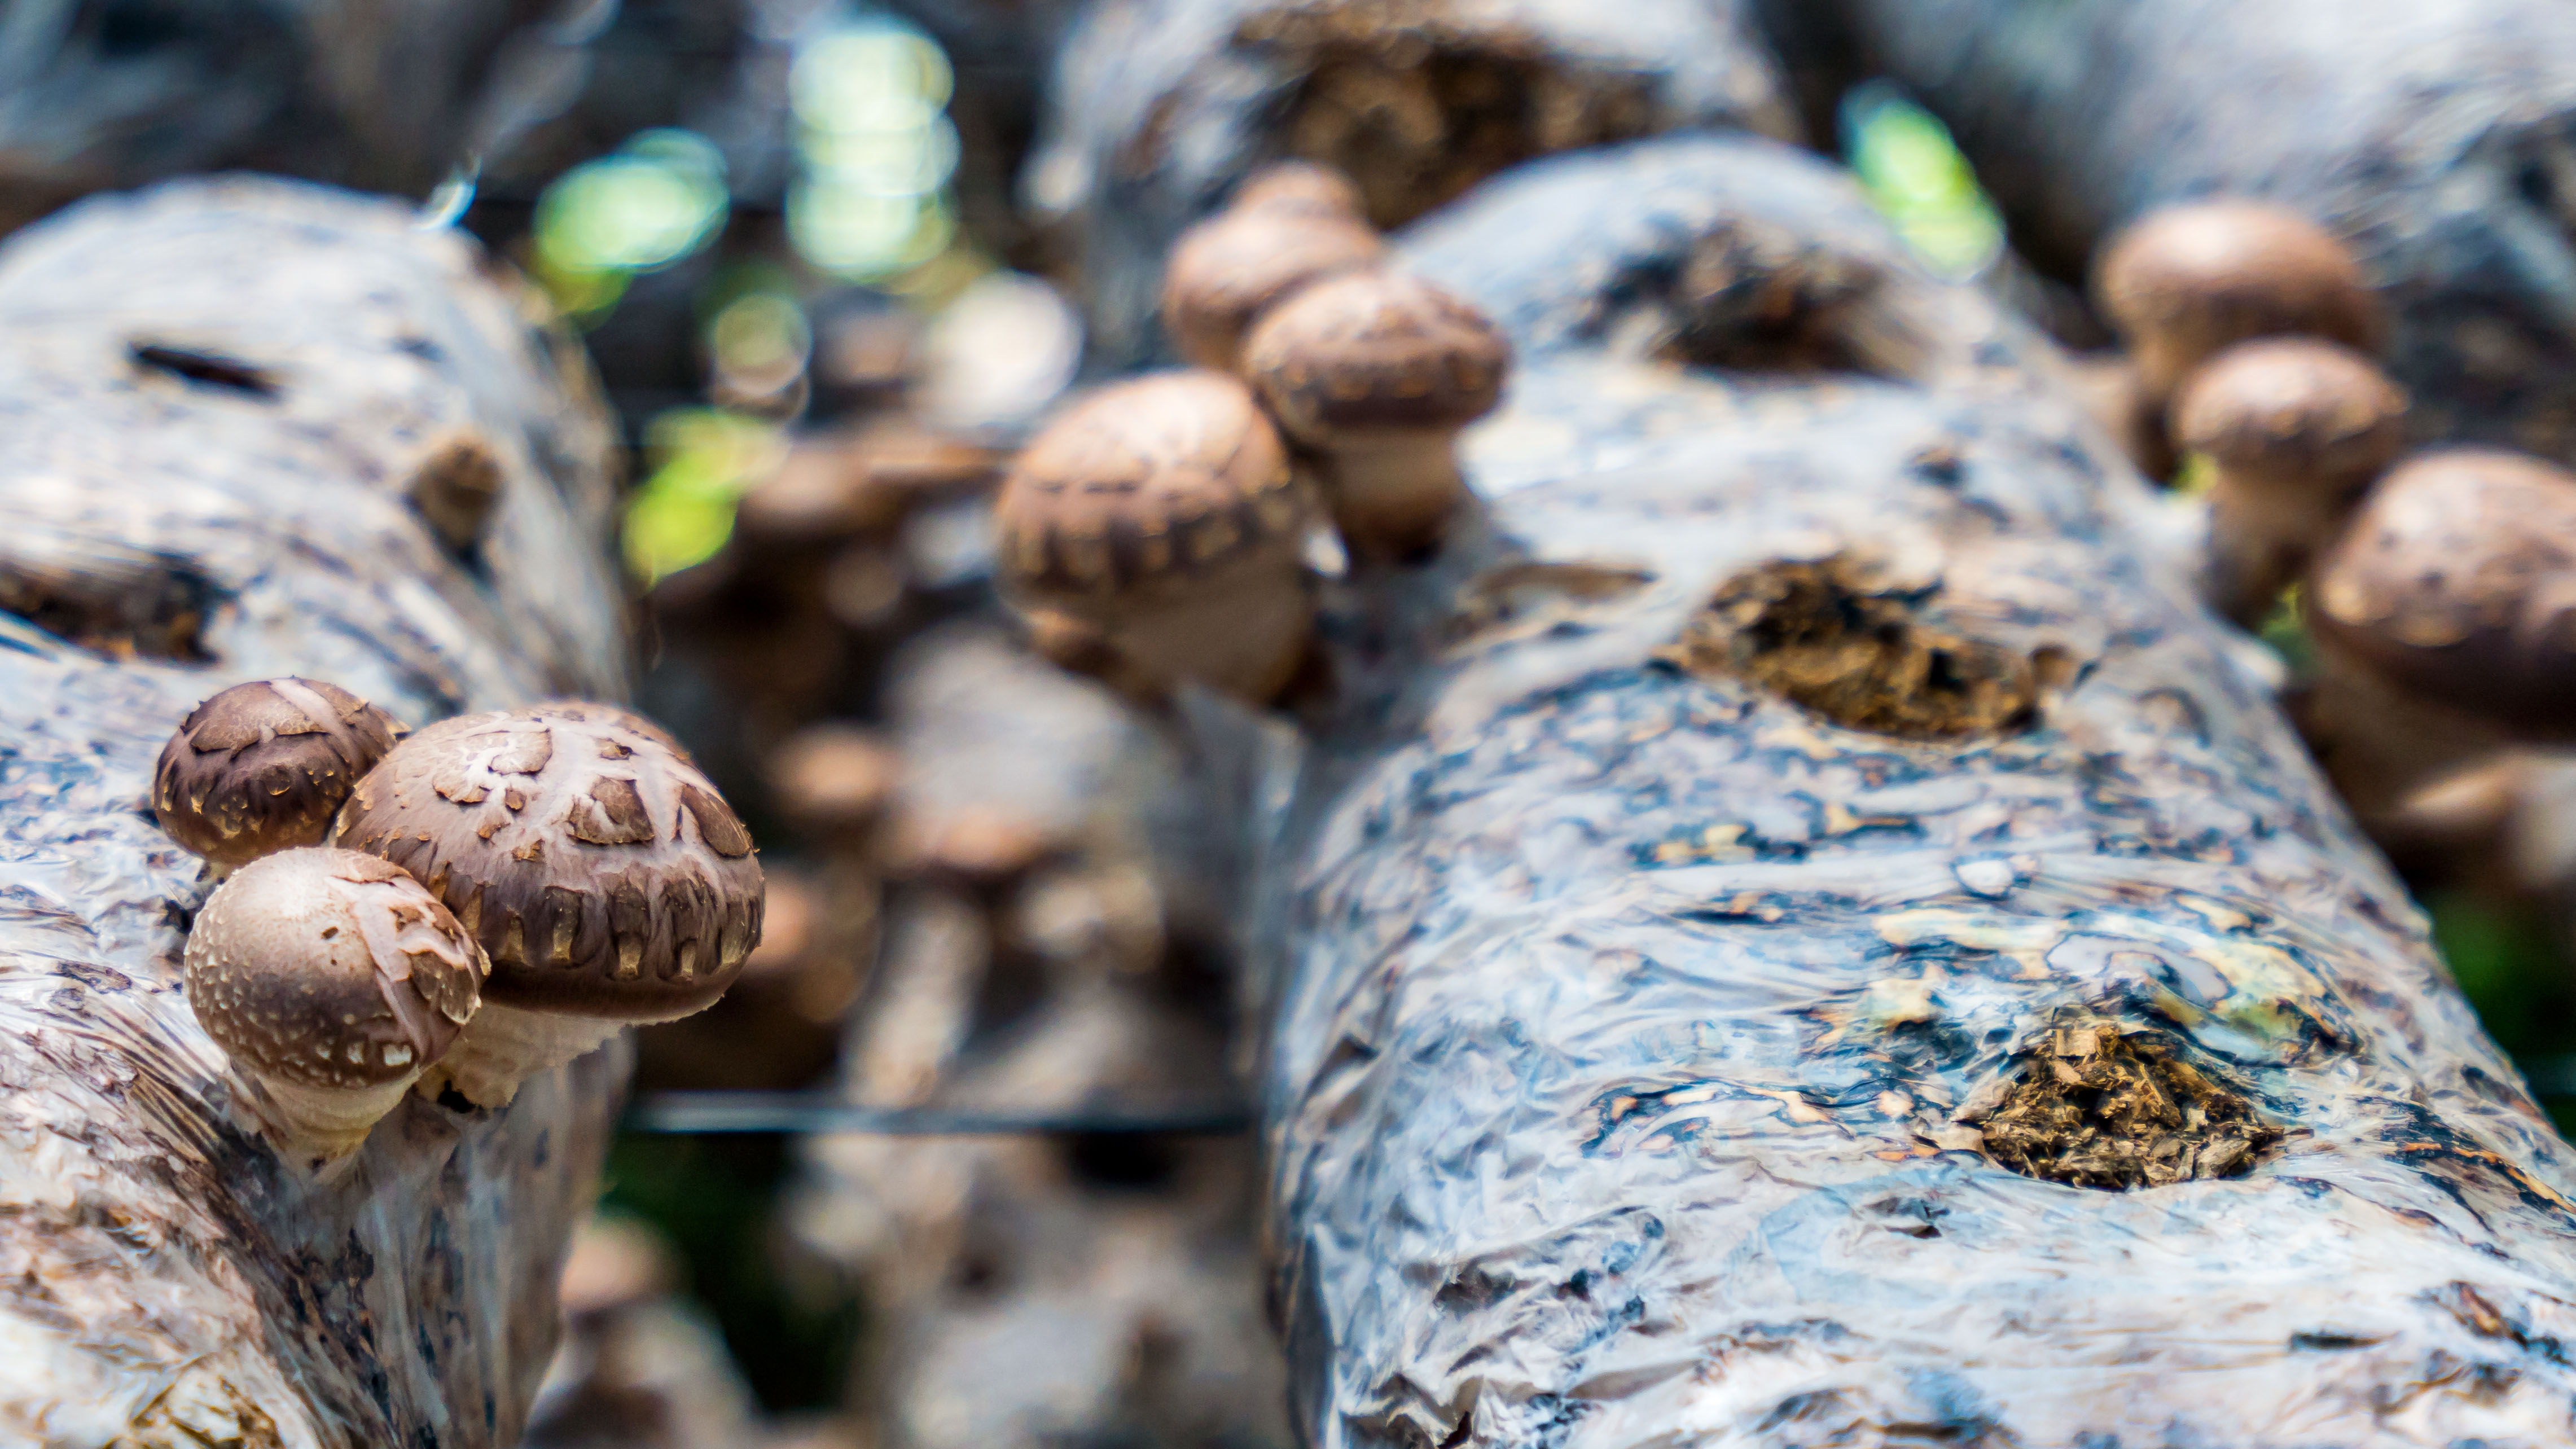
(233, 512)
(1626, 1015)
(2439, 139)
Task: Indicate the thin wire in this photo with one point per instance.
(820, 1114)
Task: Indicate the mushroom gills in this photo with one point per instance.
(503, 1046)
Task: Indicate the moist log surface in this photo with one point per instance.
(1797, 932)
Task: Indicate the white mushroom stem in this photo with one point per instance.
(1242, 629)
(1393, 492)
(2262, 532)
(505, 1045)
(317, 1126)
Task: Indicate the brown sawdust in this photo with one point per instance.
(1819, 634)
(2100, 1106)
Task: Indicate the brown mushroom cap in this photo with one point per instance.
(330, 968)
(2186, 281)
(982, 847)
(1226, 271)
(1144, 486)
(834, 781)
(1300, 186)
(602, 872)
(2293, 409)
(2456, 582)
(1376, 352)
(822, 495)
(263, 767)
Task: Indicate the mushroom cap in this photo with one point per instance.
(2206, 274)
(331, 969)
(263, 767)
(603, 873)
(2296, 409)
(1224, 272)
(1300, 186)
(1376, 352)
(823, 494)
(982, 846)
(1146, 486)
(2456, 582)
(834, 781)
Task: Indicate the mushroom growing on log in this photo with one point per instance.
(212, 392)
(2435, 138)
(1798, 932)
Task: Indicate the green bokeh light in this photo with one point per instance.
(683, 512)
(1915, 175)
(655, 200)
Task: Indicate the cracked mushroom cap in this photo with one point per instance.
(2295, 409)
(330, 968)
(2188, 280)
(1143, 488)
(262, 767)
(1376, 352)
(1300, 186)
(1226, 271)
(2456, 582)
(603, 873)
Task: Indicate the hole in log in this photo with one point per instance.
(1764, 299)
(1864, 655)
(208, 369)
(2102, 1105)
(148, 606)
(1416, 107)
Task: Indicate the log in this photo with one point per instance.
(1158, 106)
(382, 94)
(1794, 930)
(220, 398)
(2434, 137)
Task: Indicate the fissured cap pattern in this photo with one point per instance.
(603, 874)
(1150, 482)
(1376, 351)
(330, 968)
(263, 767)
(2457, 582)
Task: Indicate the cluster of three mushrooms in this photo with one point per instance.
(1156, 532)
(2250, 332)
(501, 893)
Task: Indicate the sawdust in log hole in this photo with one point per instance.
(1862, 656)
(2098, 1106)
(1416, 106)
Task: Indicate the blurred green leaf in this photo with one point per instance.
(1916, 176)
(683, 512)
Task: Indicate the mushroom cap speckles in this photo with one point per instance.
(1226, 271)
(2232, 269)
(602, 872)
(2457, 582)
(330, 968)
(1145, 486)
(2296, 409)
(1300, 186)
(263, 767)
(1376, 352)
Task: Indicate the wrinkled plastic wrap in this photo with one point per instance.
(211, 400)
(2435, 137)
(1634, 1025)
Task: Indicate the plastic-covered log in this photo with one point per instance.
(1793, 930)
(2440, 139)
(1158, 107)
(222, 406)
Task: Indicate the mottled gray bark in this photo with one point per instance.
(1158, 106)
(212, 399)
(1648, 1044)
(2436, 137)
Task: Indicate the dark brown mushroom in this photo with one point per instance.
(2185, 282)
(2294, 429)
(605, 876)
(2445, 623)
(333, 980)
(1377, 372)
(264, 766)
(1160, 520)
(1228, 270)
